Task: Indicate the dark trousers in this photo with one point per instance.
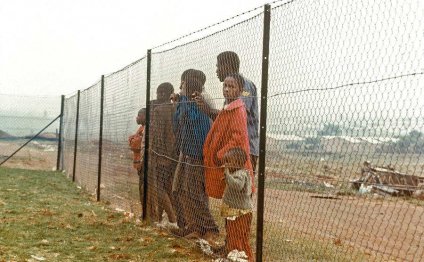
(192, 202)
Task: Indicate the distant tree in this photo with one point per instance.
(330, 130)
(312, 143)
(411, 143)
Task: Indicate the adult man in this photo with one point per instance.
(228, 63)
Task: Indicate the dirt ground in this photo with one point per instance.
(35, 156)
(389, 229)
(386, 228)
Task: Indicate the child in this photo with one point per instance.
(136, 143)
(191, 127)
(237, 202)
(163, 150)
(229, 130)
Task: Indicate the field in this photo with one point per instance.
(311, 212)
(46, 217)
(36, 155)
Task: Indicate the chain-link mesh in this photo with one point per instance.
(86, 171)
(124, 95)
(344, 165)
(198, 174)
(22, 117)
(345, 87)
(69, 122)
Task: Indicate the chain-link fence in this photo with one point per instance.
(341, 128)
(33, 121)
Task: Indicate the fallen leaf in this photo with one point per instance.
(120, 256)
(92, 248)
(338, 242)
(38, 258)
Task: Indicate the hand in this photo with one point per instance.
(198, 98)
(175, 98)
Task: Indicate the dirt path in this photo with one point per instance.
(388, 229)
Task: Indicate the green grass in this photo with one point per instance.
(43, 214)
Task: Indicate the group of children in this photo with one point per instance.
(195, 157)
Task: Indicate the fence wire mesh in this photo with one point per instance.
(198, 216)
(345, 86)
(124, 95)
(22, 117)
(69, 123)
(344, 147)
(87, 158)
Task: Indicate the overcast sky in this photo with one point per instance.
(54, 47)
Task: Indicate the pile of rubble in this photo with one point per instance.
(388, 181)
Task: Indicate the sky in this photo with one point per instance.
(55, 47)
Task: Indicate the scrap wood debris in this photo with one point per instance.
(388, 181)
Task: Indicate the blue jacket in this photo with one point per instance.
(191, 126)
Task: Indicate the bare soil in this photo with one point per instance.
(35, 156)
(387, 228)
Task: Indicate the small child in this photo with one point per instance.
(136, 143)
(237, 202)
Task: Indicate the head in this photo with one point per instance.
(235, 159)
(232, 87)
(141, 117)
(192, 80)
(163, 92)
(227, 63)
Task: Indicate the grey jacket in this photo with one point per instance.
(238, 190)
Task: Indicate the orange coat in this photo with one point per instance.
(228, 130)
(136, 144)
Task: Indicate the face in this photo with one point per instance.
(141, 118)
(222, 70)
(231, 162)
(231, 89)
(183, 88)
(162, 95)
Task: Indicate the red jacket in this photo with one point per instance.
(228, 130)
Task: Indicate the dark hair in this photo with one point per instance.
(239, 79)
(231, 59)
(201, 76)
(194, 80)
(239, 154)
(167, 87)
(143, 110)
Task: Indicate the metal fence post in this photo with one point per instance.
(59, 144)
(146, 130)
(99, 167)
(262, 135)
(76, 137)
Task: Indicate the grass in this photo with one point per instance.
(44, 215)
(289, 245)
